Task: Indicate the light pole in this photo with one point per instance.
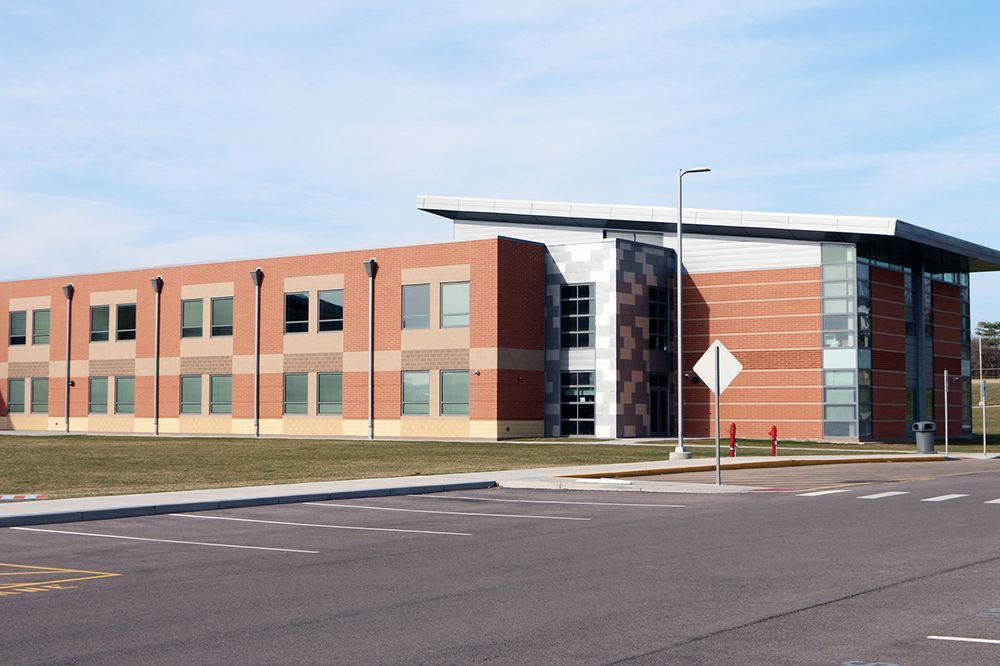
(257, 277)
(68, 292)
(157, 284)
(680, 452)
(371, 268)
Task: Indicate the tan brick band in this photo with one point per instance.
(112, 367)
(207, 365)
(19, 370)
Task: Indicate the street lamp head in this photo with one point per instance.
(371, 267)
(695, 170)
(257, 276)
(157, 284)
(68, 291)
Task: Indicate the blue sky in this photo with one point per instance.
(140, 133)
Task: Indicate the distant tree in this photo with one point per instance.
(989, 331)
(987, 335)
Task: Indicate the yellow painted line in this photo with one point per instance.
(52, 571)
(758, 464)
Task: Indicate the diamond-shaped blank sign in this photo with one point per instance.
(729, 367)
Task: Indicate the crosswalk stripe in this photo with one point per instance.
(824, 492)
(942, 498)
(891, 493)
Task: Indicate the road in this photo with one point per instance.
(862, 575)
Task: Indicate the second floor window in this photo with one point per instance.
(100, 318)
(576, 320)
(454, 304)
(40, 327)
(192, 314)
(222, 316)
(125, 324)
(19, 328)
(416, 306)
(297, 312)
(331, 310)
(659, 309)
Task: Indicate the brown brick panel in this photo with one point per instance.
(888, 342)
(890, 430)
(947, 350)
(119, 367)
(756, 395)
(885, 276)
(20, 370)
(752, 277)
(888, 360)
(945, 319)
(885, 377)
(889, 395)
(206, 365)
(509, 395)
(713, 327)
(779, 378)
(890, 325)
(891, 412)
(777, 308)
(946, 290)
(314, 362)
(731, 412)
(885, 292)
(435, 359)
(889, 310)
(519, 295)
(791, 359)
(736, 342)
(773, 290)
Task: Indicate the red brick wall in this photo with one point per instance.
(888, 355)
(946, 302)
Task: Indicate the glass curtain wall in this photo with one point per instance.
(841, 329)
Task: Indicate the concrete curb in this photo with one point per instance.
(757, 464)
(211, 505)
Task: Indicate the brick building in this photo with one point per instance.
(540, 319)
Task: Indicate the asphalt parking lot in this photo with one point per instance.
(899, 571)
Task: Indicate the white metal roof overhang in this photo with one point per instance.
(793, 226)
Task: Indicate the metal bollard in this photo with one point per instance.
(732, 440)
(774, 440)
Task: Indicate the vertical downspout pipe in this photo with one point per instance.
(157, 283)
(371, 268)
(257, 275)
(68, 291)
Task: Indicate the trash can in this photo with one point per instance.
(924, 432)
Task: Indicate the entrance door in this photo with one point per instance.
(659, 404)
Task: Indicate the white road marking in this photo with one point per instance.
(447, 513)
(622, 482)
(996, 501)
(527, 501)
(891, 493)
(825, 492)
(332, 527)
(942, 498)
(965, 640)
(189, 543)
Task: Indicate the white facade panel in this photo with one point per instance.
(548, 234)
(716, 254)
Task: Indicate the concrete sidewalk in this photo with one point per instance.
(587, 477)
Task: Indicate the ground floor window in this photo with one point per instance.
(296, 393)
(454, 391)
(220, 395)
(191, 394)
(98, 396)
(577, 404)
(15, 396)
(416, 392)
(330, 389)
(124, 395)
(39, 395)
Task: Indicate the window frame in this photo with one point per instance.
(468, 393)
(90, 395)
(320, 321)
(232, 317)
(126, 334)
(426, 317)
(212, 402)
(35, 335)
(468, 305)
(35, 403)
(182, 403)
(304, 403)
(297, 325)
(338, 406)
(573, 380)
(402, 394)
(566, 317)
(11, 381)
(126, 408)
(17, 340)
(106, 333)
(189, 331)
(659, 326)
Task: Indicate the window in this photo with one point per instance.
(454, 304)
(331, 393)
(416, 392)
(191, 394)
(331, 310)
(659, 319)
(19, 328)
(97, 401)
(100, 316)
(15, 396)
(220, 394)
(416, 306)
(125, 323)
(40, 320)
(454, 391)
(297, 312)
(577, 404)
(576, 321)
(222, 316)
(192, 318)
(124, 395)
(296, 393)
(39, 395)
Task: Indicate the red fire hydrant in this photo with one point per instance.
(732, 440)
(774, 440)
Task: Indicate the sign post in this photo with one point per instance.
(717, 367)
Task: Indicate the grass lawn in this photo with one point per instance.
(78, 466)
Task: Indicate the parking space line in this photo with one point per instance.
(891, 493)
(965, 640)
(996, 501)
(942, 498)
(188, 543)
(817, 493)
(332, 527)
(447, 513)
(526, 501)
